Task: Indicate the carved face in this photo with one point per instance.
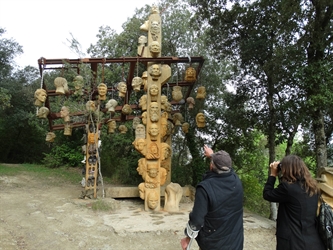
(50, 137)
(201, 94)
(154, 111)
(164, 99)
(40, 95)
(64, 111)
(190, 74)
(154, 48)
(122, 129)
(90, 106)
(153, 90)
(141, 166)
(43, 112)
(154, 130)
(126, 109)
(61, 85)
(140, 131)
(153, 172)
(78, 82)
(154, 108)
(144, 78)
(155, 71)
(142, 40)
(136, 122)
(177, 94)
(155, 27)
(143, 102)
(152, 200)
(201, 117)
(102, 89)
(144, 118)
(153, 148)
(185, 127)
(112, 125)
(122, 87)
(141, 143)
(136, 83)
(111, 104)
(166, 151)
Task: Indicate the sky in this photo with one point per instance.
(43, 27)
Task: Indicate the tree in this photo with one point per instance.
(270, 42)
(9, 48)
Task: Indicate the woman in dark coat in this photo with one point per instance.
(297, 195)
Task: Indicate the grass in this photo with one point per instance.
(60, 175)
(101, 205)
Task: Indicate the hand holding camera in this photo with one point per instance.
(275, 168)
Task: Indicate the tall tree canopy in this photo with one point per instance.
(283, 54)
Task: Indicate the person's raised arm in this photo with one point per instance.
(208, 151)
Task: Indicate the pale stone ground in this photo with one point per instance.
(44, 214)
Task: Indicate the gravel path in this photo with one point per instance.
(43, 214)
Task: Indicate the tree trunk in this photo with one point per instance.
(273, 209)
(320, 139)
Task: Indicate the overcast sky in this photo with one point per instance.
(42, 27)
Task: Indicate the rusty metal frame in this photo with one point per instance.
(55, 64)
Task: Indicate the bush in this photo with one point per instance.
(63, 155)
(253, 200)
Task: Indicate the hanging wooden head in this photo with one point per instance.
(102, 91)
(136, 83)
(68, 129)
(64, 113)
(185, 127)
(43, 112)
(200, 120)
(126, 110)
(144, 78)
(177, 119)
(136, 122)
(78, 85)
(190, 75)
(122, 129)
(90, 106)
(177, 94)
(50, 137)
(112, 125)
(111, 105)
(201, 93)
(122, 88)
(61, 85)
(40, 97)
(143, 102)
(190, 101)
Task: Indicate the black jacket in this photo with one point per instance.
(297, 216)
(218, 212)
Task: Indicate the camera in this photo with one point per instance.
(279, 167)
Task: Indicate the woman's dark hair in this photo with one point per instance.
(293, 169)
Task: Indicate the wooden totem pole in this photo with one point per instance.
(155, 149)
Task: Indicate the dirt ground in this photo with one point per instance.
(45, 214)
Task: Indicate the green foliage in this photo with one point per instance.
(119, 159)
(9, 49)
(63, 155)
(4, 98)
(253, 195)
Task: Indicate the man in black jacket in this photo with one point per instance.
(216, 220)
